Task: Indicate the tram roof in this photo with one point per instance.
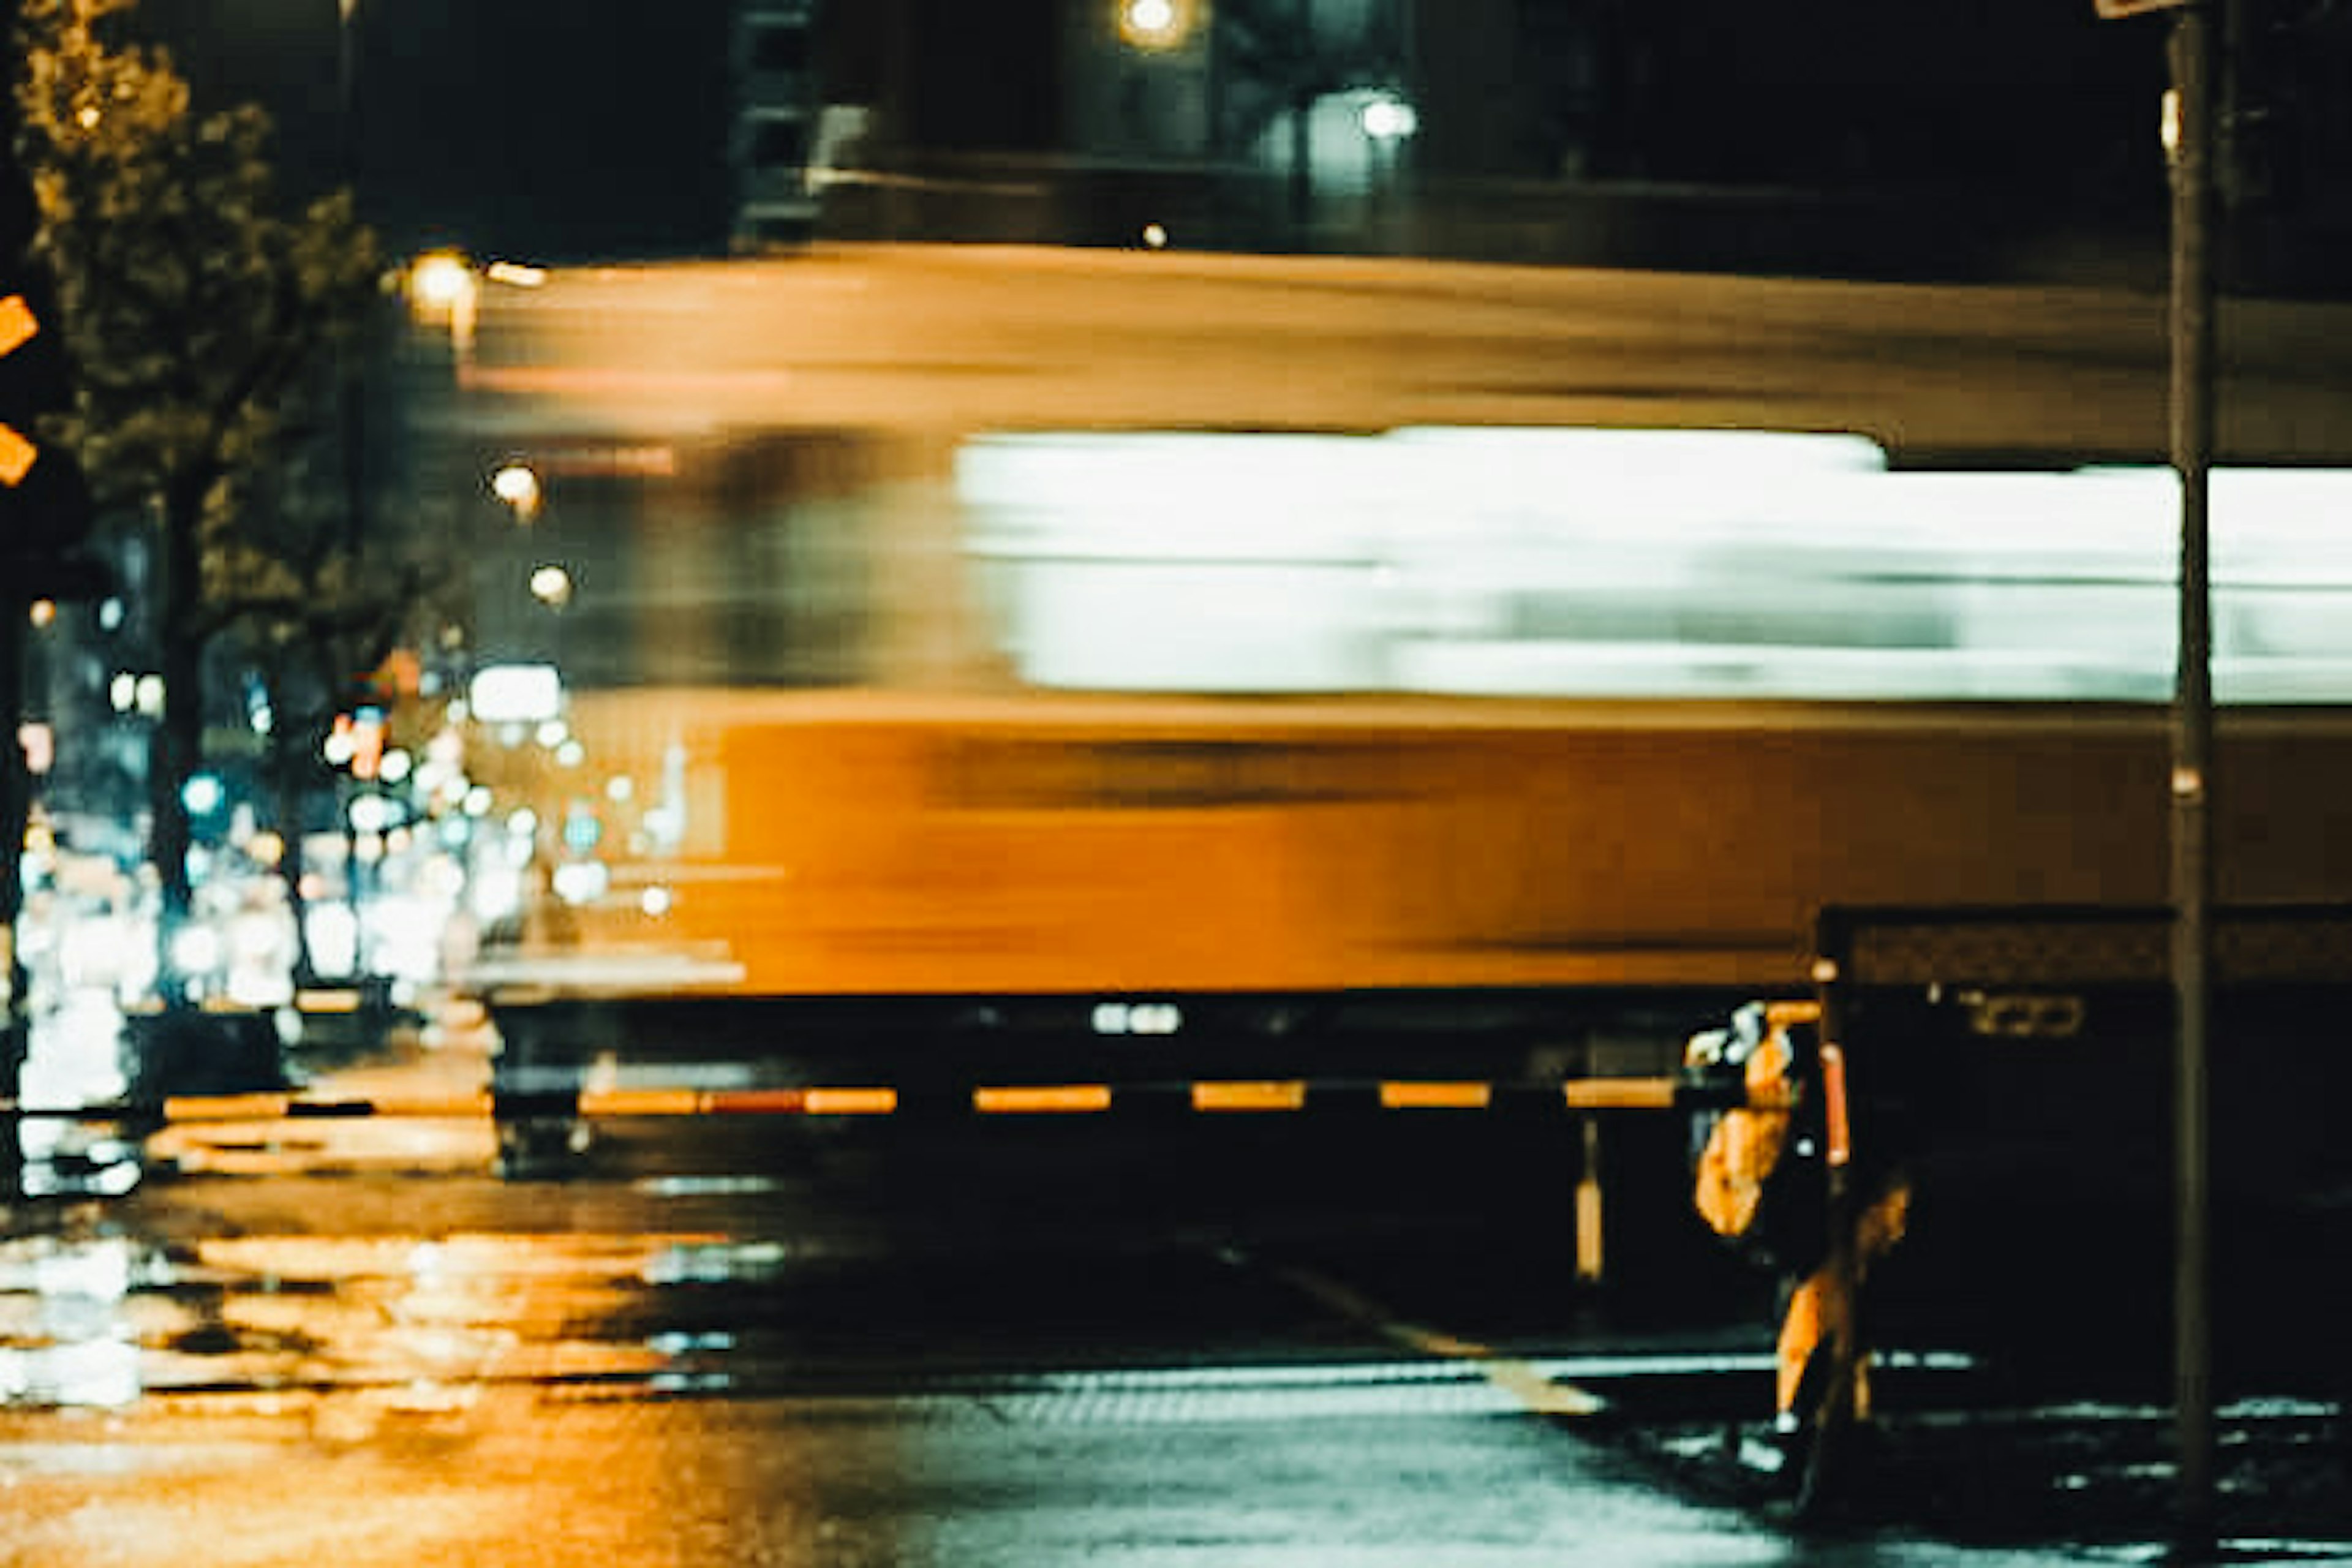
(950, 341)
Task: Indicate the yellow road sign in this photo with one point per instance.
(18, 326)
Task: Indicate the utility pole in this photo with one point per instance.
(2188, 141)
(2191, 117)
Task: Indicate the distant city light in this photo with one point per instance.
(334, 934)
(582, 831)
(1155, 236)
(441, 280)
(580, 881)
(517, 274)
(44, 612)
(516, 694)
(195, 950)
(551, 586)
(203, 795)
(1388, 119)
(666, 825)
(655, 900)
(517, 484)
(441, 291)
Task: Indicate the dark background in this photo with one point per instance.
(601, 127)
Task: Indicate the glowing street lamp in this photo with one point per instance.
(1387, 118)
(440, 281)
(442, 291)
(1154, 24)
(551, 586)
(517, 484)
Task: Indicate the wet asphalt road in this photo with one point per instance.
(1026, 1344)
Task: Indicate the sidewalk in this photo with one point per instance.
(2095, 1481)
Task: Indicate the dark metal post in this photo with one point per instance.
(347, 79)
(352, 392)
(1213, 131)
(1309, 66)
(15, 807)
(2192, 780)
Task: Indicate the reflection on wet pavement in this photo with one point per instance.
(99, 1321)
(384, 1353)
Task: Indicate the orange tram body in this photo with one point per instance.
(1033, 885)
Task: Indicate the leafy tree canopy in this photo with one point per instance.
(215, 339)
(192, 305)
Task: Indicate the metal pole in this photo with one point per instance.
(351, 393)
(2193, 782)
(15, 799)
(347, 83)
(1302, 110)
(15, 809)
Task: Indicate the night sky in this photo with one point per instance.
(513, 127)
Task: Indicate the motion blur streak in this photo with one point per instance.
(1080, 1098)
(1436, 1096)
(852, 1101)
(1249, 1096)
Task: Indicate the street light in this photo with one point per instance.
(440, 279)
(518, 485)
(1386, 118)
(1155, 24)
(442, 291)
(551, 586)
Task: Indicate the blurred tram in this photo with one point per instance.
(1508, 754)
